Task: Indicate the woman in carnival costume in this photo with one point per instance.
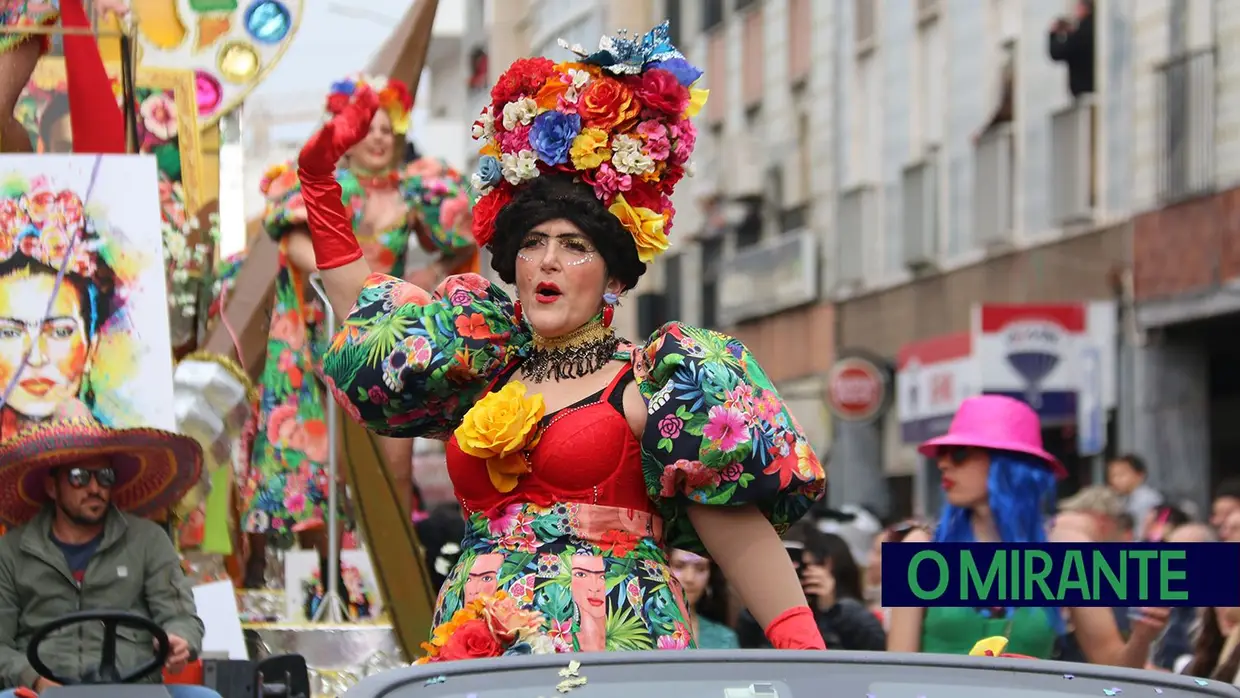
(20, 52)
(999, 483)
(389, 207)
(578, 458)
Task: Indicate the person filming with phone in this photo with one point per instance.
(832, 584)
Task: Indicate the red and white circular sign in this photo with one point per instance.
(856, 389)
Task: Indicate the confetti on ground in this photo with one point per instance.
(571, 670)
(869, 695)
(1112, 691)
(1158, 691)
(569, 684)
(437, 679)
(1069, 676)
(1202, 682)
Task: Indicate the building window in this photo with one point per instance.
(752, 49)
(864, 145)
(712, 263)
(800, 40)
(930, 68)
(749, 230)
(712, 14)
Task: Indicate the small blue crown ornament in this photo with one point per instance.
(621, 55)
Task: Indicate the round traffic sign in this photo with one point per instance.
(856, 389)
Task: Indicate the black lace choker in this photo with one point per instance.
(575, 355)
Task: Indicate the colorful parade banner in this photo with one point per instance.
(100, 334)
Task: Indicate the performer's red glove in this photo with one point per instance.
(331, 226)
(795, 629)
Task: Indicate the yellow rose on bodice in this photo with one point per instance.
(499, 428)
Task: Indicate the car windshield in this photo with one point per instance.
(796, 679)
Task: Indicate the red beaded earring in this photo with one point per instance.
(609, 307)
(516, 312)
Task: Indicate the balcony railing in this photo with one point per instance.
(1186, 113)
(920, 209)
(993, 180)
(1073, 176)
(855, 226)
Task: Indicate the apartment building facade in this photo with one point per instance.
(1185, 182)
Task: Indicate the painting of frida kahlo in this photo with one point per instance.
(82, 294)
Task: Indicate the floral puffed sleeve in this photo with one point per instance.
(718, 434)
(285, 208)
(437, 191)
(408, 364)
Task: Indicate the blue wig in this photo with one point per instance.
(1022, 492)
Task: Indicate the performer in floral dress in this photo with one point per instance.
(390, 207)
(579, 458)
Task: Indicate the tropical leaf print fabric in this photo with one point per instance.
(597, 574)
(718, 434)
(287, 485)
(438, 192)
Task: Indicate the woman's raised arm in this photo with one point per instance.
(339, 257)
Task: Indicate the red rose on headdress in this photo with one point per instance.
(644, 195)
(471, 640)
(524, 77)
(337, 102)
(485, 211)
(660, 90)
(607, 104)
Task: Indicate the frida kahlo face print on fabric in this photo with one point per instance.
(99, 333)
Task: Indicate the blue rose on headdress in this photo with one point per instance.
(489, 172)
(686, 73)
(344, 87)
(552, 135)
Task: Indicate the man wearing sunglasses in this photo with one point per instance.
(74, 493)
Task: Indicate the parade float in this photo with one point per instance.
(184, 356)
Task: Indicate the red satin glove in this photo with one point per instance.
(331, 226)
(795, 629)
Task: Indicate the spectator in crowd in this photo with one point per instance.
(1071, 42)
(1175, 648)
(706, 593)
(1127, 476)
(1161, 521)
(1093, 512)
(832, 584)
(874, 570)
(1214, 653)
(1226, 501)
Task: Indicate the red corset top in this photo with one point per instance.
(587, 454)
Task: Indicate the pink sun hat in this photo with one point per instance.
(998, 423)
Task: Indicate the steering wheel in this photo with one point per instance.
(107, 673)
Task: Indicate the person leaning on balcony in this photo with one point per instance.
(1073, 45)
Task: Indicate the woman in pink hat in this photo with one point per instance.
(999, 484)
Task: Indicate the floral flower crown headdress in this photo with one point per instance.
(394, 97)
(39, 222)
(618, 119)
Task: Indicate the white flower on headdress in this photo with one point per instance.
(481, 187)
(522, 112)
(519, 167)
(627, 156)
(484, 127)
(577, 81)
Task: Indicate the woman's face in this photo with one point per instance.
(561, 278)
(59, 348)
(376, 151)
(965, 471)
(693, 571)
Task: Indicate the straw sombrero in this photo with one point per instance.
(154, 468)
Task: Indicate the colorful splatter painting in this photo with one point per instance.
(83, 296)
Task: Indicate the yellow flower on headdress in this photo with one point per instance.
(649, 228)
(697, 100)
(500, 428)
(590, 149)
